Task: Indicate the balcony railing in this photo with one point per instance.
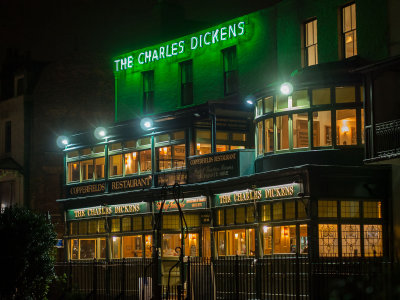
(385, 143)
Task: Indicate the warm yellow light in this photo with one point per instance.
(128, 161)
(75, 165)
(165, 149)
(265, 229)
(236, 235)
(134, 155)
(180, 235)
(198, 146)
(349, 39)
(114, 238)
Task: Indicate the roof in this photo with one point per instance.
(8, 163)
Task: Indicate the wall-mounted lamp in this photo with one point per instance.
(100, 133)
(146, 123)
(62, 141)
(286, 88)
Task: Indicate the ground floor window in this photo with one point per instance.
(282, 239)
(236, 242)
(131, 246)
(88, 248)
(171, 241)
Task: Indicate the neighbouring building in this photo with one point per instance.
(260, 120)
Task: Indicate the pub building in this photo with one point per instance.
(281, 174)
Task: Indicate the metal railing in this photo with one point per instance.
(386, 142)
(292, 277)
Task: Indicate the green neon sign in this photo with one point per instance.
(229, 31)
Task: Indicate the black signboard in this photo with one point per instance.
(213, 166)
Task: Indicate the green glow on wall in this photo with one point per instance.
(190, 43)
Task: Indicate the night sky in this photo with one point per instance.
(50, 29)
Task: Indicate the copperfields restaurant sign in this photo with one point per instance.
(114, 186)
(258, 194)
(107, 211)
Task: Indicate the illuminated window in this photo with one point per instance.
(92, 226)
(236, 242)
(269, 135)
(346, 129)
(137, 223)
(230, 216)
(373, 209)
(102, 225)
(327, 209)
(328, 240)
(351, 240)
(203, 141)
(186, 82)
(373, 240)
(301, 209)
(83, 227)
(240, 215)
(345, 94)
(300, 130)
(350, 209)
(268, 104)
(73, 228)
(171, 241)
(131, 162)
(147, 222)
(303, 239)
(164, 158)
(349, 33)
(299, 99)
(284, 239)
(148, 91)
(249, 214)
(259, 138)
(277, 212)
(170, 222)
(265, 212)
(126, 224)
(321, 96)
(88, 248)
(115, 165)
(192, 220)
(290, 210)
(322, 128)
(145, 161)
(132, 246)
(267, 240)
(311, 43)
(230, 71)
(148, 243)
(115, 225)
(116, 247)
(259, 108)
(220, 217)
(221, 243)
(282, 131)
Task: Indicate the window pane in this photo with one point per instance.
(220, 217)
(169, 243)
(321, 96)
(73, 172)
(126, 224)
(290, 210)
(373, 209)
(73, 154)
(327, 209)
(301, 209)
(102, 225)
(164, 158)
(230, 217)
(73, 228)
(144, 141)
(300, 130)
(99, 162)
(249, 214)
(282, 102)
(238, 137)
(83, 227)
(116, 165)
(259, 108)
(74, 249)
(202, 149)
(87, 169)
(87, 249)
(137, 223)
(267, 240)
(345, 94)
(322, 128)
(268, 104)
(131, 163)
(236, 242)
(346, 129)
(98, 149)
(303, 239)
(192, 244)
(116, 146)
(115, 225)
(170, 222)
(328, 240)
(145, 161)
(350, 209)
(116, 247)
(179, 135)
(222, 148)
(203, 134)
(222, 135)
(362, 127)
(132, 246)
(269, 135)
(351, 240)
(179, 157)
(265, 212)
(277, 212)
(373, 240)
(92, 226)
(86, 151)
(162, 138)
(130, 144)
(240, 215)
(284, 239)
(147, 223)
(221, 243)
(259, 138)
(282, 131)
(300, 99)
(148, 239)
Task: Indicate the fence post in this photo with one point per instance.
(69, 275)
(258, 270)
(123, 284)
(94, 291)
(297, 266)
(188, 283)
(237, 276)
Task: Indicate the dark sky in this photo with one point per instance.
(51, 29)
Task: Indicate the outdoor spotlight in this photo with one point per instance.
(250, 102)
(286, 88)
(146, 123)
(100, 133)
(62, 141)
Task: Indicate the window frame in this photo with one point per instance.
(148, 91)
(314, 43)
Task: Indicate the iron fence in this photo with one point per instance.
(293, 277)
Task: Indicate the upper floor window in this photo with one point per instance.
(148, 91)
(349, 33)
(230, 71)
(7, 137)
(225, 140)
(85, 164)
(186, 82)
(311, 43)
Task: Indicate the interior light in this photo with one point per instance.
(265, 228)
(134, 155)
(286, 88)
(250, 102)
(236, 235)
(114, 238)
(100, 133)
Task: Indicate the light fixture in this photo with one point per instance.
(62, 141)
(114, 238)
(100, 133)
(249, 100)
(286, 88)
(146, 123)
(236, 235)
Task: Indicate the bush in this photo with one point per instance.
(26, 254)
